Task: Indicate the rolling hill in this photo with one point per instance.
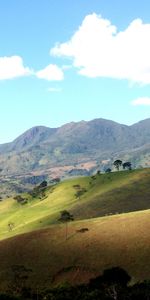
(46, 259)
(85, 197)
(113, 208)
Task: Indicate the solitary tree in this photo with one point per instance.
(117, 163)
(66, 217)
(43, 184)
(108, 170)
(10, 226)
(127, 165)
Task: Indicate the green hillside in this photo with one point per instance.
(85, 197)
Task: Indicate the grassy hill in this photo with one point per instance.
(85, 197)
(37, 245)
(46, 258)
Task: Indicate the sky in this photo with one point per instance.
(64, 61)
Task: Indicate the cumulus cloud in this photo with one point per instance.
(50, 73)
(141, 101)
(12, 67)
(98, 49)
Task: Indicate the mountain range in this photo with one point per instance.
(74, 148)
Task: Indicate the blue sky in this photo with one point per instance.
(62, 61)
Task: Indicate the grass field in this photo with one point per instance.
(37, 245)
(102, 195)
(121, 240)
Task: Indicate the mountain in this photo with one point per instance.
(76, 145)
(74, 137)
(30, 138)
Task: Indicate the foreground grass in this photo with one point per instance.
(121, 240)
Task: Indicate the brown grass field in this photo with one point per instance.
(49, 259)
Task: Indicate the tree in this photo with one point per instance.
(113, 281)
(116, 275)
(108, 170)
(66, 217)
(20, 199)
(20, 275)
(117, 163)
(43, 184)
(10, 226)
(127, 165)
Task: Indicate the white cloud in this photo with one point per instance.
(51, 72)
(54, 89)
(12, 67)
(99, 50)
(141, 101)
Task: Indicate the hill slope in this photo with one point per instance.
(46, 258)
(85, 197)
(37, 244)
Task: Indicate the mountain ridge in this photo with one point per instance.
(69, 124)
(41, 148)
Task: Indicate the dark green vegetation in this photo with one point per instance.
(113, 284)
(43, 151)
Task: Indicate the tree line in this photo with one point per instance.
(127, 165)
(113, 284)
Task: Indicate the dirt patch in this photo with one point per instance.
(74, 275)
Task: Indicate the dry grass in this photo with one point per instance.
(122, 240)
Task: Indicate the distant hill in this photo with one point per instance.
(97, 142)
